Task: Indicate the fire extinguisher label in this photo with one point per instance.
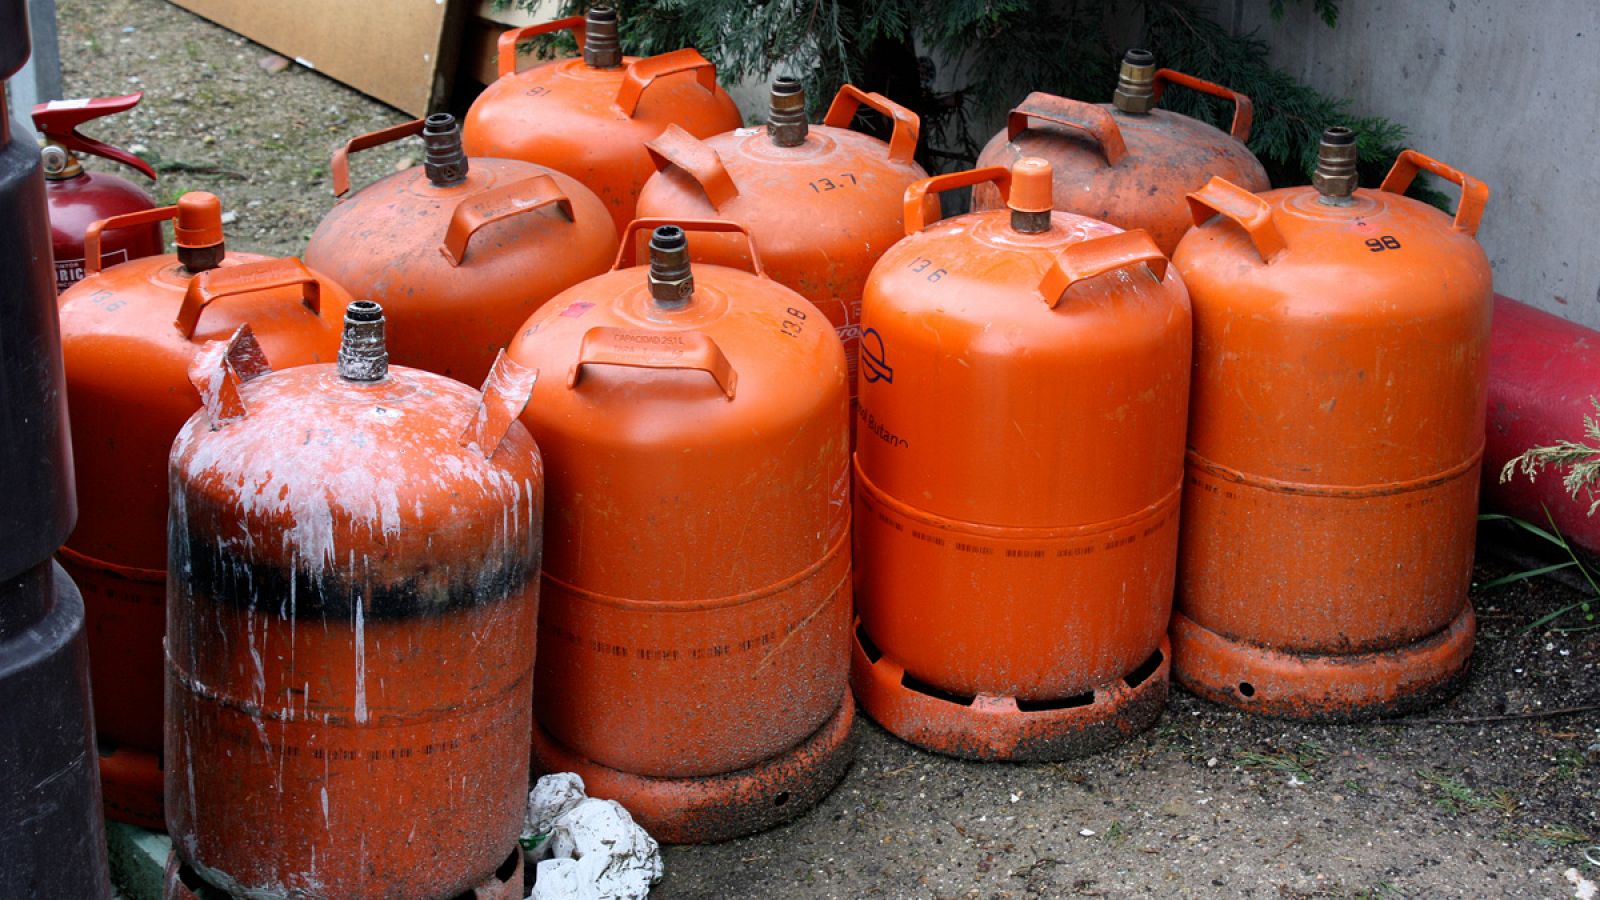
(70, 271)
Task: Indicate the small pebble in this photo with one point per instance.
(273, 63)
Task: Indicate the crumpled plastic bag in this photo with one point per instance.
(598, 852)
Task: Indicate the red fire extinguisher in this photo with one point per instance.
(78, 197)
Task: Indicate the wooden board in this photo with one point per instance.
(402, 52)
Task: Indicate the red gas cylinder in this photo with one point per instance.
(1336, 430)
(590, 117)
(1543, 372)
(128, 335)
(350, 640)
(1126, 162)
(699, 434)
(79, 197)
(822, 203)
(1024, 381)
(458, 251)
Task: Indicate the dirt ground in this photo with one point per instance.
(1210, 803)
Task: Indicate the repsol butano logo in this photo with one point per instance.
(874, 358)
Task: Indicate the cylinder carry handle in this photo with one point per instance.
(641, 73)
(677, 147)
(221, 367)
(1244, 111)
(1222, 197)
(907, 124)
(1098, 256)
(915, 218)
(629, 251)
(505, 394)
(506, 46)
(340, 164)
(249, 278)
(92, 262)
(1474, 193)
(518, 197)
(1090, 118)
(691, 350)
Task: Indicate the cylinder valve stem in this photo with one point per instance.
(446, 160)
(601, 50)
(786, 122)
(671, 281)
(1335, 177)
(363, 353)
(1136, 83)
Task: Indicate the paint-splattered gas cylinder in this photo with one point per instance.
(694, 642)
(79, 197)
(1024, 381)
(129, 334)
(591, 116)
(822, 203)
(52, 835)
(1126, 162)
(1340, 375)
(355, 557)
(459, 252)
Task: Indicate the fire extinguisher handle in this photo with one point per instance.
(1244, 111)
(1097, 256)
(629, 251)
(1474, 193)
(516, 198)
(641, 73)
(58, 121)
(505, 394)
(221, 367)
(915, 207)
(1090, 118)
(92, 262)
(249, 278)
(1222, 197)
(692, 350)
(676, 147)
(907, 124)
(506, 46)
(339, 166)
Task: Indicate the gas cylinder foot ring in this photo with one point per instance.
(130, 781)
(183, 883)
(992, 727)
(1323, 687)
(712, 808)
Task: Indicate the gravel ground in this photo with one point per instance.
(1210, 803)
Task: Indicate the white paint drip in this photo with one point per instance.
(361, 663)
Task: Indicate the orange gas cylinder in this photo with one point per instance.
(350, 640)
(1126, 162)
(694, 641)
(1024, 381)
(1340, 375)
(590, 117)
(128, 335)
(459, 252)
(822, 203)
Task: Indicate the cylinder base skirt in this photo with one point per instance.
(130, 783)
(182, 883)
(994, 727)
(708, 809)
(1322, 687)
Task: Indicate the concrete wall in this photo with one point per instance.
(1508, 92)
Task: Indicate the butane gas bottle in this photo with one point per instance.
(1127, 162)
(459, 251)
(350, 646)
(128, 335)
(822, 202)
(694, 642)
(79, 197)
(1336, 430)
(591, 116)
(1024, 381)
